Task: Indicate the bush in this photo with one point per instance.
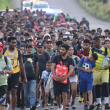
(96, 8)
(4, 3)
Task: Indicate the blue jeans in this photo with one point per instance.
(30, 86)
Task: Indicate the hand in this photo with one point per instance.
(81, 55)
(20, 80)
(2, 72)
(58, 78)
(106, 67)
(63, 78)
(25, 80)
(89, 71)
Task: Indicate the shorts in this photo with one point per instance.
(59, 88)
(3, 90)
(73, 78)
(100, 77)
(86, 85)
(13, 81)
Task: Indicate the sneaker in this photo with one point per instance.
(6, 107)
(55, 102)
(49, 103)
(107, 106)
(43, 104)
(33, 107)
(80, 100)
(60, 108)
(91, 107)
(22, 106)
(37, 104)
(46, 108)
(51, 107)
(67, 107)
(86, 107)
(73, 106)
(99, 107)
(27, 108)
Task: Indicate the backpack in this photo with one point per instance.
(93, 49)
(29, 68)
(5, 58)
(77, 71)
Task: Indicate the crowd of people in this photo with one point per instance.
(52, 59)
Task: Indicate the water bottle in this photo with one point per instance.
(105, 61)
(7, 68)
(0, 69)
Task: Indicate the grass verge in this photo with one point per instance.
(96, 8)
(4, 3)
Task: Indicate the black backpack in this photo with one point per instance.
(29, 68)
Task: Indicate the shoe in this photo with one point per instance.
(60, 108)
(95, 103)
(80, 100)
(27, 108)
(51, 107)
(86, 107)
(49, 103)
(73, 106)
(55, 102)
(33, 107)
(7, 107)
(46, 108)
(91, 107)
(67, 107)
(107, 106)
(37, 104)
(18, 105)
(22, 106)
(43, 104)
(99, 107)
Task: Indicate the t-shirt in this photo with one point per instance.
(68, 61)
(86, 64)
(34, 58)
(51, 52)
(34, 50)
(45, 76)
(3, 78)
(84, 53)
(100, 52)
(42, 59)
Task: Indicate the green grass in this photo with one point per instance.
(4, 3)
(96, 8)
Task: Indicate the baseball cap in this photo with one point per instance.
(30, 39)
(49, 40)
(96, 34)
(39, 44)
(42, 24)
(74, 17)
(22, 39)
(81, 37)
(28, 45)
(34, 15)
(75, 24)
(65, 38)
(1, 47)
(83, 18)
(52, 34)
(75, 36)
(67, 33)
(59, 43)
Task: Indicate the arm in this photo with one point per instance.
(41, 80)
(82, 69)
(22, 68)
(37, 69)
(70, 71)
(7, 72)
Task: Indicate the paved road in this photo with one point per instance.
(73, 9)
(78, 106)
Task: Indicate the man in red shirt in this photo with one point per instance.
(84, 52)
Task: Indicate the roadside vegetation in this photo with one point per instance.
(4, 3)
(97, 8)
